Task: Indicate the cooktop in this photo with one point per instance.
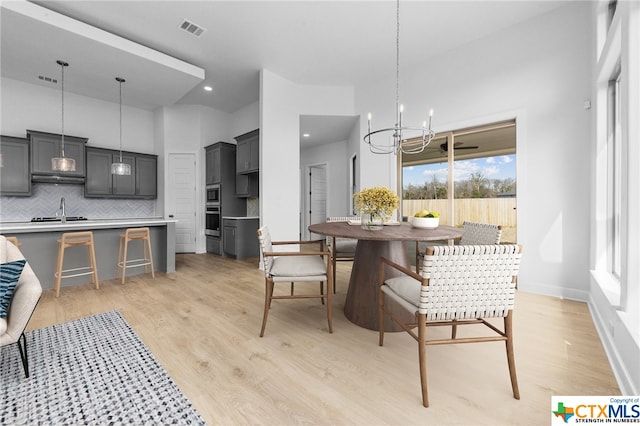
(57, 219)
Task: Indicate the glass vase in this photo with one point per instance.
(372, 221)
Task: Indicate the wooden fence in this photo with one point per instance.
(499, 211)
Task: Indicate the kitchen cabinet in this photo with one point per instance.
(142, 183)
(220, 170)
(15, 173)
(213, 158)
(214, 245)
(248, 185)
(146, 176)
(239, 237)
(248, 155)
(45, 146)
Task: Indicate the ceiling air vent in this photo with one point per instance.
(48, 79)
(192, 28)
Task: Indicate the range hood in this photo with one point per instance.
(57, 178)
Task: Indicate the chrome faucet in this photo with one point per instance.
(63, 215)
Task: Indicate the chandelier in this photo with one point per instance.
(399, 138)
(62, 163)
(120, 168)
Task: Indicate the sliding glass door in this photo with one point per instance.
(465, 174)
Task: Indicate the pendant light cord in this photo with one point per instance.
(398, 61)
(120, 81)
(62, 64)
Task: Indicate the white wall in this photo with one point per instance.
(246, 119)
(28, 106)
(539, 73)
(282, 103)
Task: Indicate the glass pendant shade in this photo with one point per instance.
(62, 163)
(120, 168)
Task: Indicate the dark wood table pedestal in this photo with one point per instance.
(361, 304)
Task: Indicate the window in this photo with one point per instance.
(614, 184)
(465, 174)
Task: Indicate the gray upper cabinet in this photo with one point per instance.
(248, 154)
(15, 173)
(98, 182)
(142, 183)
(45, 146)
(213, 158)
(146, 176)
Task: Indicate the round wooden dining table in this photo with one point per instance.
(361, 304)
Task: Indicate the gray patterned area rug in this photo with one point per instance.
(94, 370)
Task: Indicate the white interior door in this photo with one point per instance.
(182, 202)
(317, 195)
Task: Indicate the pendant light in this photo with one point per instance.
(62, 163)
(399, 138)
(120, 168)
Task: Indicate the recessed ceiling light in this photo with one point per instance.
(208, 88)
(305, 135)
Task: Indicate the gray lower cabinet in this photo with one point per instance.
(239, 237)
(142, 183)
(214, 245)
(45, 146)
(15, 172)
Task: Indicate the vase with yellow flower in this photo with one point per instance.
(375, 205)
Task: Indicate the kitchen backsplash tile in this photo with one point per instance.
(45, 201)
(253, 206)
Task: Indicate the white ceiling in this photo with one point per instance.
(308, 42)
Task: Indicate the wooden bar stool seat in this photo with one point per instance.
(14, 240)
(76, 239)
(135, 234)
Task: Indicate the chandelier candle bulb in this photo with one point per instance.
(369, 121)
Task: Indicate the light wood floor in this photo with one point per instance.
(202, 324)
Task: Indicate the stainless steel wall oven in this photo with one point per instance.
(213, 221)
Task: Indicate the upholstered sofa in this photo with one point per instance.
(25, 298)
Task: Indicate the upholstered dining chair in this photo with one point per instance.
(472, 233)
(302, 266)
(458, 285)
(19, 299)
(342, 249)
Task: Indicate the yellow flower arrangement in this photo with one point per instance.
(376, 201)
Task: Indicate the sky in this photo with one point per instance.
(498, 167)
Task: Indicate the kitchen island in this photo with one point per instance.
(39, 244)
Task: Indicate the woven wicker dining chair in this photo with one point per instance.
(295, 267)
(342, 249)
(473, 233)
(447, 293)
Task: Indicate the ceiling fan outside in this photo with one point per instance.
(444, 147)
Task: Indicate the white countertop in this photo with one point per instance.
(25, 227)
(241, 217)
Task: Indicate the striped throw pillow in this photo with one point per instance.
(9, 276)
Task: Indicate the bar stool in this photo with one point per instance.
(135, 234)
(14, 240)
(76, 239)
